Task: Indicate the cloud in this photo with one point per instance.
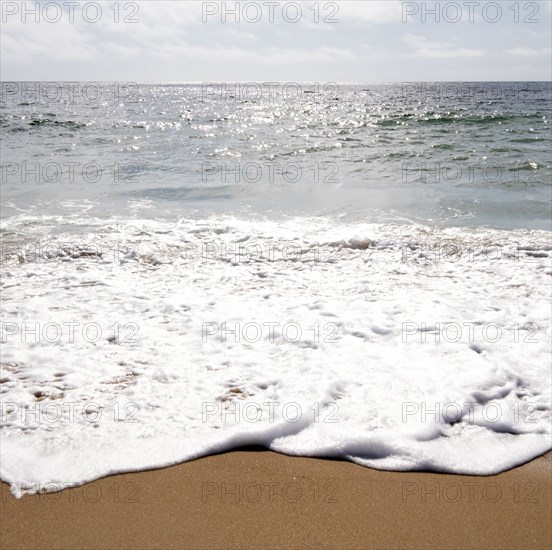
(233, 33)
(37, 42)
(374, 11)
(270, 56)
(422, 47)
(170, 42)
(448, 54)
(547, 4)
(529, 52)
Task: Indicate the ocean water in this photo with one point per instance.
(355, 271)
(463, 154)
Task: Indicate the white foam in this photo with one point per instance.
(365, 394)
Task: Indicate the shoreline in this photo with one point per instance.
(252, 498)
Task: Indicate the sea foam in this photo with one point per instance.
(130, 345)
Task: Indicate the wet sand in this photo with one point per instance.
(252, 498)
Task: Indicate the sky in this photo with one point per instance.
(343, 41)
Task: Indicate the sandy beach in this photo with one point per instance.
(252, 498)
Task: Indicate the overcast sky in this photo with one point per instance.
(360, 41)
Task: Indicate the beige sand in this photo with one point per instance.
(258, 499)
